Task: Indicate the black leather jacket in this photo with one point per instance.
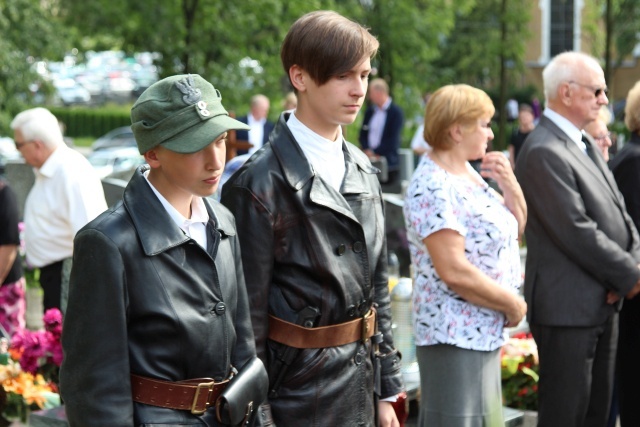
(147, 299)
(304, 244)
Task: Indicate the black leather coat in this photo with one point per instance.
(146, 299)
(304, 244)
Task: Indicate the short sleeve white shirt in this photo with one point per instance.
(66, 195)
(437, 200)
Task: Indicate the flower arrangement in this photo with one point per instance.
(519, 363)
(29, 367)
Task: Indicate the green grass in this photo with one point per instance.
(83, 141)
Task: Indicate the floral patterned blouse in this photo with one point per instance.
(436, 200)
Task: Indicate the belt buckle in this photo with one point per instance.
(365, 326)
(208, 387)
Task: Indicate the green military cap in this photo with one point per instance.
(182, 113)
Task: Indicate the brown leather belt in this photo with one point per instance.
(195, 395)
(324, 336)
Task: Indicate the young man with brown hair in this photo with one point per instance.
(310, 220)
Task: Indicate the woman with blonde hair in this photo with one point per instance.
(463, 238)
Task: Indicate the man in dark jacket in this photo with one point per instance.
(382, 128)
(310, 220)
(157, 293)
(259, 125)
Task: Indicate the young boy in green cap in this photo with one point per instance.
(310, 220)
(158, 312)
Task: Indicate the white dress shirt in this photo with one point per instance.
(66, 195)
(376, 124)
(326, 156)
(256, 133)
(194, 227)
(567, 127)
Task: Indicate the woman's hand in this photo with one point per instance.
(517, 313)
(496, 166)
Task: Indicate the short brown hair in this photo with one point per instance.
(451, 105)
(326, 44)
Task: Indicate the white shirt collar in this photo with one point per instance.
(325, 156)
(386, 105)
(52, 163)
(566, 126)
(252, 120)
(194, 227)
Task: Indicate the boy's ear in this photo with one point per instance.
(298, 78)
(151, 157)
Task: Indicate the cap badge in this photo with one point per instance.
(191, 94)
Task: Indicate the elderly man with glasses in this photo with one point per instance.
(66, 195)
(583, 248)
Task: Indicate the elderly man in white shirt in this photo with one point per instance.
(66, 195)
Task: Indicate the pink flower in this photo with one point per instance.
(53, 321)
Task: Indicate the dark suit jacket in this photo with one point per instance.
(390, 143)
(581, 242)
(243, 135)
(626, 169)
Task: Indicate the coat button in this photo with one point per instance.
(357, 247)
(341, 249)
(351, 311)
(220, 308)
(358, 359)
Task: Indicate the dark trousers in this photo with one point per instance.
(576, 373)
(51, 282)
(629, 364)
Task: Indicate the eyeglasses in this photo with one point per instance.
(603, 137)
(597, 91)
(19, 145)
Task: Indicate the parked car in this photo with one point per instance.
(68, 92)
(119, 137)
(119, 162)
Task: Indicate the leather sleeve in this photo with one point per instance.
(245, 343)
(94, 337)
(255, 233)
(392, 381)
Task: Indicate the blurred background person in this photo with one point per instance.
(418, 144)
(260, 126)
(626, 170)
(598, 130)
(382, 128)
(12, 302)
(525, 126)
(66, 195)
(290, 102)
(463, 238)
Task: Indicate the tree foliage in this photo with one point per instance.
(236, 45)
(29, 31)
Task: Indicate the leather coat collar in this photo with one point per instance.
(296, 167)
(148, 216)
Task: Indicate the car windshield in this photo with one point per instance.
(100, 161)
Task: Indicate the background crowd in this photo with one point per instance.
(309, 217)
